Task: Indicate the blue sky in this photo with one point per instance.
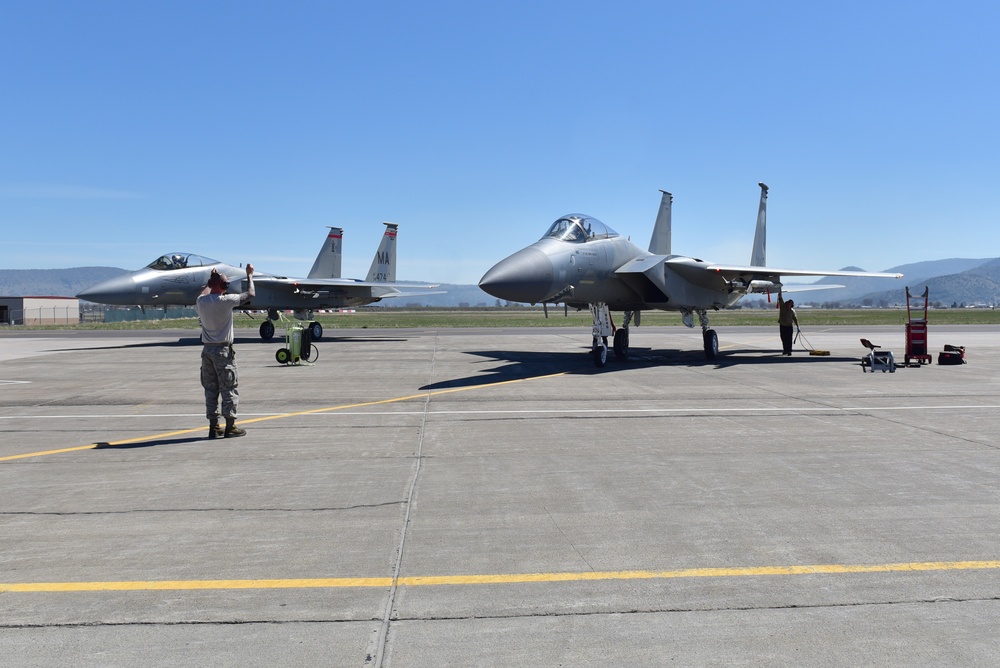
(239, 130)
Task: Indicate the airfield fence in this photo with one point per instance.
(89, 313)
(101, 313)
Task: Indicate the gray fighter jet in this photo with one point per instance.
(176, 279)
(582, 263)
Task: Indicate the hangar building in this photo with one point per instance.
(39, 310)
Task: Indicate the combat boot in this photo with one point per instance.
(214, 430)
(232, 431)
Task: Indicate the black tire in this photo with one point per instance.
(600, 353)
(267, 330)
(621, 344)
(711, 340)
(283, 355)
(316, 330)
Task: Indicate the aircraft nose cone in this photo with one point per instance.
(525, 276)
(117, 290)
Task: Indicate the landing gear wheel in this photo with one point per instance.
(315, 330)
(621, 344)
(267, 330)
(600, 352)
(711, 344)
(283, 355)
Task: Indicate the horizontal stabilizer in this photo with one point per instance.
(767, 287)
(413, 294)
(810, 288)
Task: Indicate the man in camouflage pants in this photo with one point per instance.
(218, 359)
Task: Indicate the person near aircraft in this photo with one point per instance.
(786, 318)
(218, 358)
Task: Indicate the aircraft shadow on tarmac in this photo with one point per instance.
(518, 365)
(151, 443)
(277, 342)
(179, 343)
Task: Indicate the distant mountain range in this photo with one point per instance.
(53, 282)
(952, 282)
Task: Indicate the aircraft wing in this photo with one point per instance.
(762, 280)
(765, 273)
(343, 285)
(750, 278)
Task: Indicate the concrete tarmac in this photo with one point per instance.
(488, 497)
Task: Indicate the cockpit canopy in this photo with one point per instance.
(578, 228)
(173, 261)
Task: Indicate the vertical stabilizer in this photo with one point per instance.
(659, 243)
(758, 258)
(327, 264)
(383, 269)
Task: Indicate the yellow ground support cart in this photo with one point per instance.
(299, 348)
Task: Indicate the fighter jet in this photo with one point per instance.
(583, 263)
(176, 279)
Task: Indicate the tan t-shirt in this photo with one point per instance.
(216, 314)
(786, 314)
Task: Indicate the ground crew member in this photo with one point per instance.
(218, 359)
(786, 318)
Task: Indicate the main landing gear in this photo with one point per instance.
(711, 343)
(603, 328)
(267, 330)
(621, 336)
(267, 327)
(621, 343)
(708, 335)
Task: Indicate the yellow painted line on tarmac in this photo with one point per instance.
(500, 579)
(280, 416)
(180, 585)
(748, 571)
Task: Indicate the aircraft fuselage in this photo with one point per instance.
(578, 274)
(152, 287)
(157, 287)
